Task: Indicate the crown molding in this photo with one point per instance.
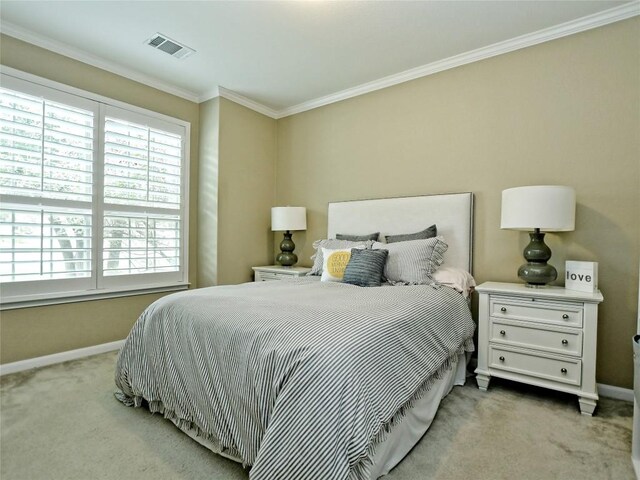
(247, 102)
(84, 57)
(239, 99)
(209, 94)
(589, 22)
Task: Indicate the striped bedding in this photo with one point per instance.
(298, 379)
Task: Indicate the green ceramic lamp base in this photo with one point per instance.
(286, 257)
(537, 272)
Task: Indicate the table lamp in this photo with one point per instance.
(287, 219)
(551, 208)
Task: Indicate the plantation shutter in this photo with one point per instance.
(93, 196)
(143, 206)
(47, 159)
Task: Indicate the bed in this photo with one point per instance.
(304, 378)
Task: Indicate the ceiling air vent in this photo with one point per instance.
(173, 48)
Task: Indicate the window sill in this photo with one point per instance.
(76, 297)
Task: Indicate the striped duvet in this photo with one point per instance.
(299, 379)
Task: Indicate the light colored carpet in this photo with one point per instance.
(63, 423)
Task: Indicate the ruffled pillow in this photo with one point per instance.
(413, 262)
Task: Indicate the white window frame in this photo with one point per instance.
(25, 294)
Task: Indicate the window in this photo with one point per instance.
(92, 196)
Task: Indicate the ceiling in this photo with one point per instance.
(289, 55)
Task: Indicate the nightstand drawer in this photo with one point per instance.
(566, 314)
(267, 276)
(277, 272)
(528, 363)
(568, 341)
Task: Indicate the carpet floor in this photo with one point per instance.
(62, 423)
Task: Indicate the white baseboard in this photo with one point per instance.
(43, 361)
(618, 393)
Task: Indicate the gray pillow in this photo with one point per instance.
(317, 258)
(365, 267)
(414, 261)
(429, 232)
(358, 238)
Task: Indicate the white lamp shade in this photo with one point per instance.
(550, 208)
(288, 218)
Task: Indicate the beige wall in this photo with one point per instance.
(564, 112)
(236, 190)
(37, 331)
(33, 332)
(208, 193)
(246, 192)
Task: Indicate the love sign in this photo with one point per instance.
(581, 276)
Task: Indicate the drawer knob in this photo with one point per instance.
(501, 359)
(565, 316)
(503, 309)
(503, 333)
(564, 371)
(565, 342)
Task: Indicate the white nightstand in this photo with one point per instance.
(278, 272)
(540, 336)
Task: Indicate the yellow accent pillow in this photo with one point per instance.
(334, 263)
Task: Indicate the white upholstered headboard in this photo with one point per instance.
(452, 213)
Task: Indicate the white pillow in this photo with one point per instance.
(332, 243)
(456, 278)
(334, 263)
